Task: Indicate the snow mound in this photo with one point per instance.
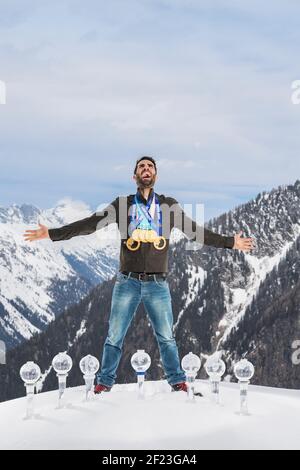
(163, 420)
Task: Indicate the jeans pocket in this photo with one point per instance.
(121, 278)
(161, 282)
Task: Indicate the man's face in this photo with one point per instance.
(145, 176)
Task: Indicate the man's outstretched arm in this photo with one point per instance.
(194, 232)
(237, 242)
(81, 227)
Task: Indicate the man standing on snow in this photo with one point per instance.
(145, 220)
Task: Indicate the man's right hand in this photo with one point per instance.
(39, 234)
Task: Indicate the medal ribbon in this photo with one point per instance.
(141, 217)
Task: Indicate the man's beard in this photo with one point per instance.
(143, 184)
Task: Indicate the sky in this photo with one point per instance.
(202, 86)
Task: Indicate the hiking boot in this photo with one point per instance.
(182, 387)
(99, 388)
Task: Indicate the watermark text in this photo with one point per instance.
(296, 353)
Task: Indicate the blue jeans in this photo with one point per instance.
(127, 295)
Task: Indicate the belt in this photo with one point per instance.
(145, 276)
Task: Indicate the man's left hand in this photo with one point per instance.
(244, 244)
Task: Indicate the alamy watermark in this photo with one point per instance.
(296, 353)
(172, 216)
(2, 92)
(2, 352)
(295, 97)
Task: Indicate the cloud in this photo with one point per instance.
(202, 86)
(13, 12)
(169, 164)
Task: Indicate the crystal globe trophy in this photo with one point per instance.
(140, 362)
(191, 365)
(244, 371)
(215, 369)
(30, 374)
(89, 366)
(62, 364)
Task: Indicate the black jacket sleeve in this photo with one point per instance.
(194, 232)
(86, 226)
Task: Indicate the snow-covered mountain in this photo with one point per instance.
(39, 280)
(163, 420)
(273, 219)
(221, 284)
(271, 325)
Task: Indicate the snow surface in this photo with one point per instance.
(163, 420)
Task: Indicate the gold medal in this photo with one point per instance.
(136, 235)
(160, 243)
(132, 244)
(144, 236)
(152, 236)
